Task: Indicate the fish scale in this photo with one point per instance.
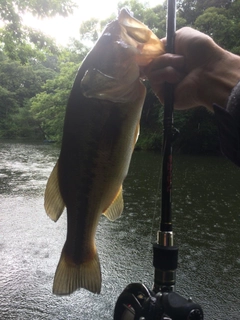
(100, 131)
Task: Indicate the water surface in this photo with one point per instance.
(206, 198)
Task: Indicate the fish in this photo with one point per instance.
(100, 131)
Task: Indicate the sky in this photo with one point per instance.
(62, 29)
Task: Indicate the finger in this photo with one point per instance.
(168, 74)
(164, 41)
(166, 60)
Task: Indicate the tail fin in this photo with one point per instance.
(70, 277)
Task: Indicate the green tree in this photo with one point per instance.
(154, 18)
(90, 30)
(197, 132)
(43, 109)
(191, 9)
(48, 107)
(218, 18)
(18, 84)
(7, 105)
(20, 42)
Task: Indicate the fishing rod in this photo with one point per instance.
(165, 254)
(137, 302)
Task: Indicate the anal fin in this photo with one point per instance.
(115, 210)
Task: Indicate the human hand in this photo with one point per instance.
(203, 72)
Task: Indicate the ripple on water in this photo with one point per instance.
(206, 226)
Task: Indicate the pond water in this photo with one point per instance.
(206, 215)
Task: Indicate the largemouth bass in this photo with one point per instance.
(100, 130)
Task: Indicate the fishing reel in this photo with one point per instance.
(137, 302)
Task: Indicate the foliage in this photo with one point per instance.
(48, 107)
(11, 10)
(18, 84)
(33, 96)
(191, 9)
(196, 132)
(220, 19)
(89, 30)
(154, 18)
(20, 42)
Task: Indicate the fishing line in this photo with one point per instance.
(156, 206)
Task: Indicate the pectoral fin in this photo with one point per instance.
(53, 201)
(116, 208)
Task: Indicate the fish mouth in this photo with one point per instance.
(124, 47)
(138, 35)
